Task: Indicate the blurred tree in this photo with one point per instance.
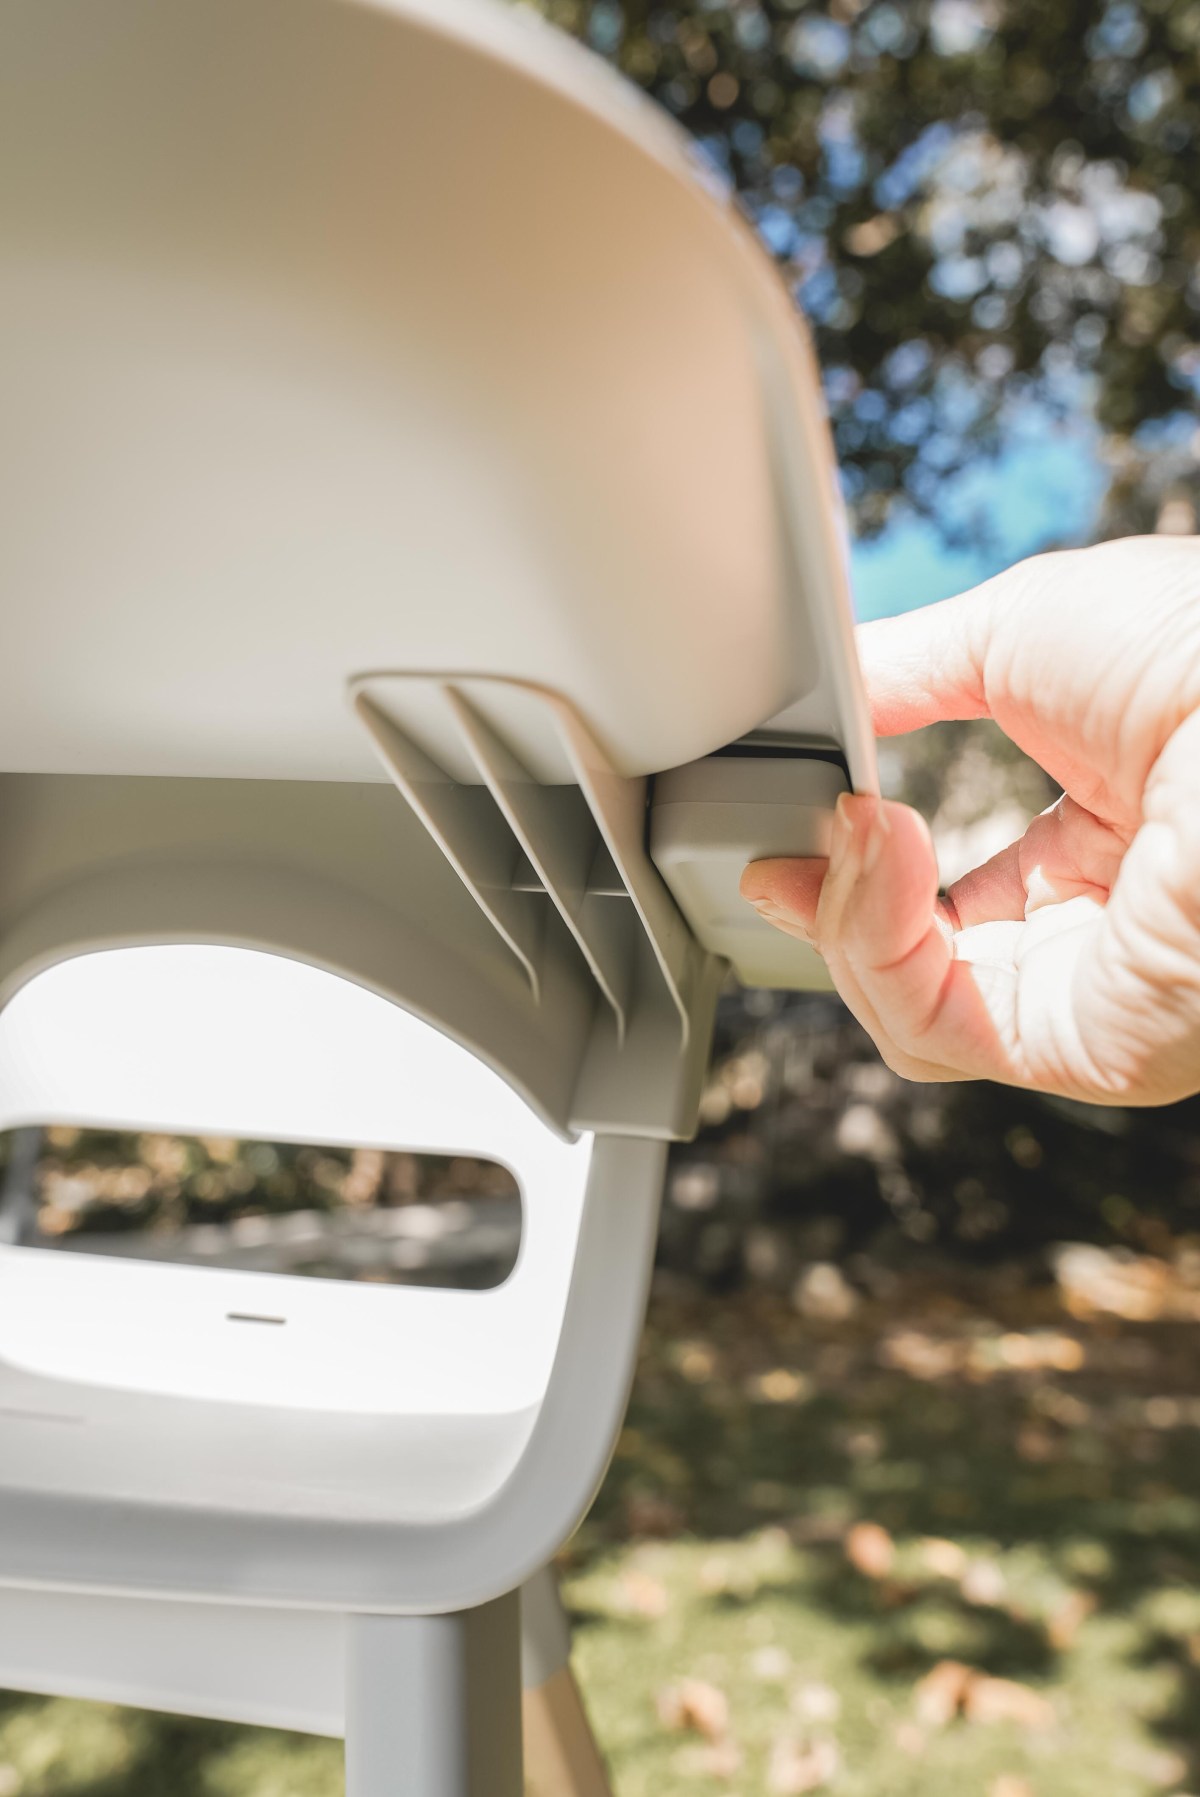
(974, 201)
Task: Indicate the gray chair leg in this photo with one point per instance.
(433, 1704)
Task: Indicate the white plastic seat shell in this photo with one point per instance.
(131, 1397)
(227, 1042)
(143, 1382)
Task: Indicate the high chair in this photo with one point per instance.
(422, 589)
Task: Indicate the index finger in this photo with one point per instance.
(927, 665)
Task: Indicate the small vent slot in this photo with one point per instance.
(10, 1413)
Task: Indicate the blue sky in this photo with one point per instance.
(1043, 489)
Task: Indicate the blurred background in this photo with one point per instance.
(909, 1496)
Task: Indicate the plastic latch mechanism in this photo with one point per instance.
(710, 818)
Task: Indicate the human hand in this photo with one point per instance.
(1069, 962)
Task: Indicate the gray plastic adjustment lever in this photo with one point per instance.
(708, 819)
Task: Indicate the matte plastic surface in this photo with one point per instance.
(344, 337)
(345, 878)
(709, 819)
(281, 1052)
(433, 1704)
(182, 1431)
(274, 1668)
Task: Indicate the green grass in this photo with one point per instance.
(1054, 1467)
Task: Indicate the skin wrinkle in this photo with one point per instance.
(1098, 796)
(994, 892)
(1071, 838)
(1067, 1051)
(1005, 978)
(1071, 960)
(1163, 840)
(925, 1026)
(1170, 977)
(1128, 964)
(901, 960)
(1172, 796)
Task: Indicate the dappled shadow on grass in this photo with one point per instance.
(1178, 1721)
(816, 1515)
(52, 1747)
(1015, 1505)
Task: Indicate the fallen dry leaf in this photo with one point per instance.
(780, 1386)
(716, 1759)
(940, 1694)
(799, 1766)
(945, 1558)
(697, 1361)
(1040, 1350)
(649, 1516)
(910, 1739)
(895, 1593)
(823, 1294)
(718, 1575)
(641, 1594)
(1112, 1282)
(983, 1583)
(952, 1689)
(816, 1702)
(771, 1664)
(921, 1356)
(1004, 1700)
(693, 1704)
(1009, 1785)
(870, 1550)
(1159, 1766)
(1037, 1446)
(1067, 1619)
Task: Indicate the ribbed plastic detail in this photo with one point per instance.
(541, 860)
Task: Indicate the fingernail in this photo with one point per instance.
(774, 913)
(877, 832)
(841, 835)
(860, 829)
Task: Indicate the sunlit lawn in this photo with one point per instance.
(1020, 1616)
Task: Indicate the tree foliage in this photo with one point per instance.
(976, 202)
